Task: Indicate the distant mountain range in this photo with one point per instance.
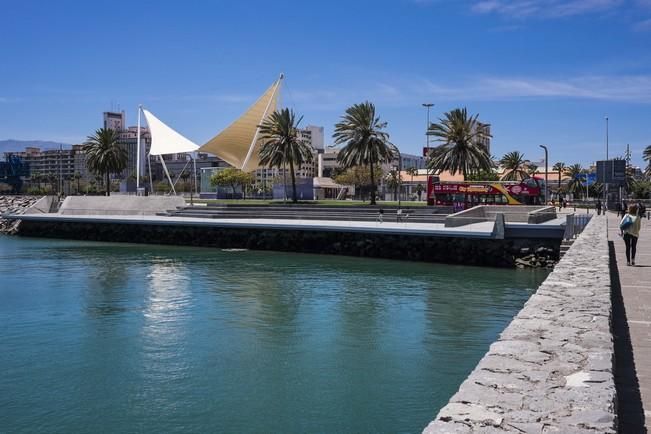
(20, 145)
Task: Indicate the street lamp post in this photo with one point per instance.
(606, 137)
(428, 105)
(606, 184)
(546, 170)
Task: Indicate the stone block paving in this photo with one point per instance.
(635, 284)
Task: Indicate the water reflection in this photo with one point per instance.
(165, 339)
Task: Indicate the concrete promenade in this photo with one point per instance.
(479, 230)
(634, 376)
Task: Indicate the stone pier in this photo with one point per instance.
(551, 370)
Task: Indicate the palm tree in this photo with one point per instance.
(281, 143)
(366, 143)
(531, 169)
(77, 177)
(575, 173)
(647, 157)
(560, 168)
(514, 166)
(412, 171)
(104, 155)
(461, 149)
(393, 182)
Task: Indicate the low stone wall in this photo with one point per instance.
(119, 205)
(456, 250)
(531, 214)
(551, 371)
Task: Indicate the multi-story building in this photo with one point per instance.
(49, 162)
(313, 136)
(129, 139)
(486, 139)
(409, 161)
(115, 120)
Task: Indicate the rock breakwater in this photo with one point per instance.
(13, 205)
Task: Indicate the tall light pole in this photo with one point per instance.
(606, 137)
(546, 170)
(428, 105)
(399, 175)
(607, 165)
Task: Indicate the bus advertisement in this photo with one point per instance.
(464, 195)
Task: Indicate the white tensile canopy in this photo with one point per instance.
(238, 144)
(164, 140)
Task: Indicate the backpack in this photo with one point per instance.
(627, 221)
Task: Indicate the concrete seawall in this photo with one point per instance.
(377, 241)
(551, 370)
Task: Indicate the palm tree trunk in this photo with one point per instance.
(559, 181)
(291, 169)
(372, 184)
(108, 184)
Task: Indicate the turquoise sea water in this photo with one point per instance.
(99, 337)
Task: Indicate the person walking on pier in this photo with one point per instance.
(598, 206)
(380, 215)
(630, 227)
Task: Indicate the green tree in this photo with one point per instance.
(461, 149)
(185, 175)
(641, 189)
(531, 169)
(358, 176)
(366, 144)
(575, 173)
(483, 175)
(560, 168)
(515, 166)
(104, 155)
(281, 144)
(596, 189)
(231, 177)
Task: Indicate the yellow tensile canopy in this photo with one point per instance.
(239, 143)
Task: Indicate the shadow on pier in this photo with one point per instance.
(630, 412)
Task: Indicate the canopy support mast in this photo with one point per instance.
(167, 173)
(138, 151)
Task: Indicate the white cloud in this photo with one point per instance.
(543, 8)
(636, 89)
(7, 100)
(642, 26)
(410, 91)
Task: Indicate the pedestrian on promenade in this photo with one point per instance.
(630, 230)
(380, 216)
(598, 206)
(641, 209)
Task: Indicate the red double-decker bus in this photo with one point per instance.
(464, 195)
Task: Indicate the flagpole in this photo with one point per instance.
(138, 152)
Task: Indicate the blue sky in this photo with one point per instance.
(540, 71)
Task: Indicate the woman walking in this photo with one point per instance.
(630, 227)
